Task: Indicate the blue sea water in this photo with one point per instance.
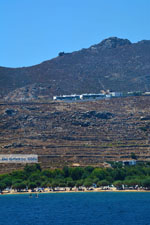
(76, 209)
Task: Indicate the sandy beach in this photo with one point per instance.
(71, 191)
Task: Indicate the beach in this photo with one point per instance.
(74, 190)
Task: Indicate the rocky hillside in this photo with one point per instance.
(115, 64)
(85, 133)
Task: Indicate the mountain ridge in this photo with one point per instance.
(114, 63)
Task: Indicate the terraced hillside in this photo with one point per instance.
(87, 133)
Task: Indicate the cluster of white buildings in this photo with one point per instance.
(82, 97)
(103, 95)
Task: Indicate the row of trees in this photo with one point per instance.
(33, 176)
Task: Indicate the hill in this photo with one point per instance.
(115, 64)
(84, 133)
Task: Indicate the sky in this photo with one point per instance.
(33, 31)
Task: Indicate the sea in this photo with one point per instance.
(102, 208)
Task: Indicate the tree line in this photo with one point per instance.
(33, 176)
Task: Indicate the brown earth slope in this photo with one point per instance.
(88, 133)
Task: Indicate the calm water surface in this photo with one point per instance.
(76, 208)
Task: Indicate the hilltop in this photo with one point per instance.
(115, 64)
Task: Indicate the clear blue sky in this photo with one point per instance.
(33, 31)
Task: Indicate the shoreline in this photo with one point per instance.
(87, 191)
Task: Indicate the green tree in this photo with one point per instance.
(99, 173)
(132, 182)
(7, 181)
(70, 184)
(2, 186)
(119, 174)
(44, 184)
(35, 177)
(79, 183)
(18, 174)
(76, 173)
(32, 168)
(55, 183)
(103, 183)
(66, 171)
(146, 183)
(118, 184)
(19, 186)
(58, 174)
(32, 185)
(62, 184)
(47, 173)
(87, 183)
